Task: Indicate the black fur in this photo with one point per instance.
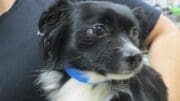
(71, 35)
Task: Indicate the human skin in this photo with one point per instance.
(164, 54)
(5, 5)
(164, 51)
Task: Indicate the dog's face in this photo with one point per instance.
(92, 35)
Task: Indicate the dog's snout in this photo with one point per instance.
(129, 56)
(133, 59)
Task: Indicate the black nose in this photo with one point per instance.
(133, 59)
(129, 57)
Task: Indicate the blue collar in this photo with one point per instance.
(76, 74)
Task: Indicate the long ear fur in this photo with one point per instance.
(55, 25)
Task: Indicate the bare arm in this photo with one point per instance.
(5, 5)
(164, 43)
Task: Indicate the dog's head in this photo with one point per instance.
(92, 35)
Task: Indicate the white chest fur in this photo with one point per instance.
(76, 91)
(72, 90)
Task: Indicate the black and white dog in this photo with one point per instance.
(101, 37)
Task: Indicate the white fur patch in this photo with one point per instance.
(128, 47)
(49, 80)
(74, 90)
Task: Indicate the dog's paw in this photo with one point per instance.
(49, 80)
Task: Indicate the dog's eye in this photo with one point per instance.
(134, 33)
(97, 30)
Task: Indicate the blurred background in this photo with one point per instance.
(170, 8)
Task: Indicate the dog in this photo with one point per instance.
(101, 37)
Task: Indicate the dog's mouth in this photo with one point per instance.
(118, 75)
(93, 77)
(123, 75)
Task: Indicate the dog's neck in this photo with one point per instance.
(74, 90)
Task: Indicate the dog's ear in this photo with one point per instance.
(53, 15)
(54, 24)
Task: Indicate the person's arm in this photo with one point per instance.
(164, 41)
(5, 5)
